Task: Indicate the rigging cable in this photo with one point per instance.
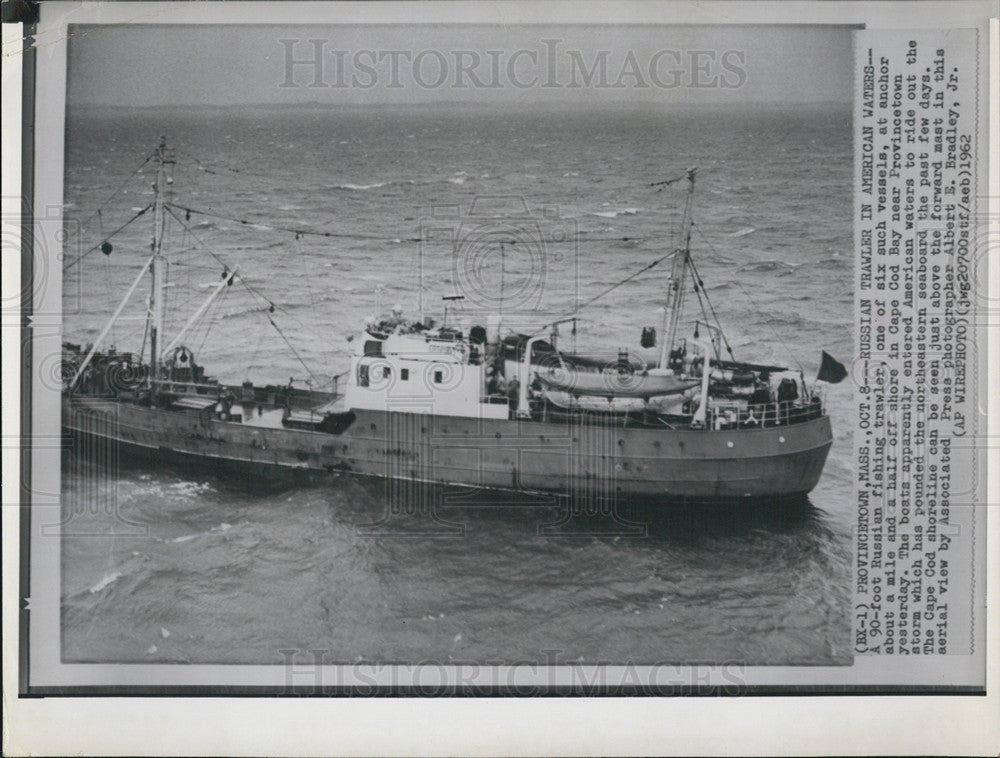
(107, 278)
(761, 313)
(613, 287)
(197, 164)
(632, 276)
(121, 186)
(210, 251)
(290, 230)
(294, 351)
(667, 182)
(694, 270)
(208, 318)
(384, 238)
(256, 350)
(195, 237)
(698, 288)
(771, 326)
(249, 289)
(104, 241)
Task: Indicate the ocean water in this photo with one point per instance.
(180, 565)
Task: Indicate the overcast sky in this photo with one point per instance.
(133, 65)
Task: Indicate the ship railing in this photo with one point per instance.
(186, 388)
(765, 415)
(268, 395)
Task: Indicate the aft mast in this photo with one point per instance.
(678, 270)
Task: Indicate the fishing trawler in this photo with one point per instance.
(441, 403)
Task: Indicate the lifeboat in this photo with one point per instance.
(612, 383)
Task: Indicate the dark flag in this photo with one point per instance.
(831, 370)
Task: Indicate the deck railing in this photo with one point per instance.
(765, 414)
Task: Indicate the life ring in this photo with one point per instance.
(181, 356)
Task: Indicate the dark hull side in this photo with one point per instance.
(602, 460)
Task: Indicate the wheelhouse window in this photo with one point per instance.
(404, 374)
(363, 375)
(438, 377)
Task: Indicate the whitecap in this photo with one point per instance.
(615, 214)
(359, 187)
(110, 578)
(190, 488)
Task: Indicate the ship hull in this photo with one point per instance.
(596, 457)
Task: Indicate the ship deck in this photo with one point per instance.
(265, 420)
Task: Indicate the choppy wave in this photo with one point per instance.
(615, 213)
(241, 312)
(353, 187)
(359, 187)
(833, 262)
(105, 582)
(775, 266)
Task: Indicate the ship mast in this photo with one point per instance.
(158, 265)
(678, 270)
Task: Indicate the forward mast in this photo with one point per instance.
(158, 267)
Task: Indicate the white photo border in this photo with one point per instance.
(916, 724)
